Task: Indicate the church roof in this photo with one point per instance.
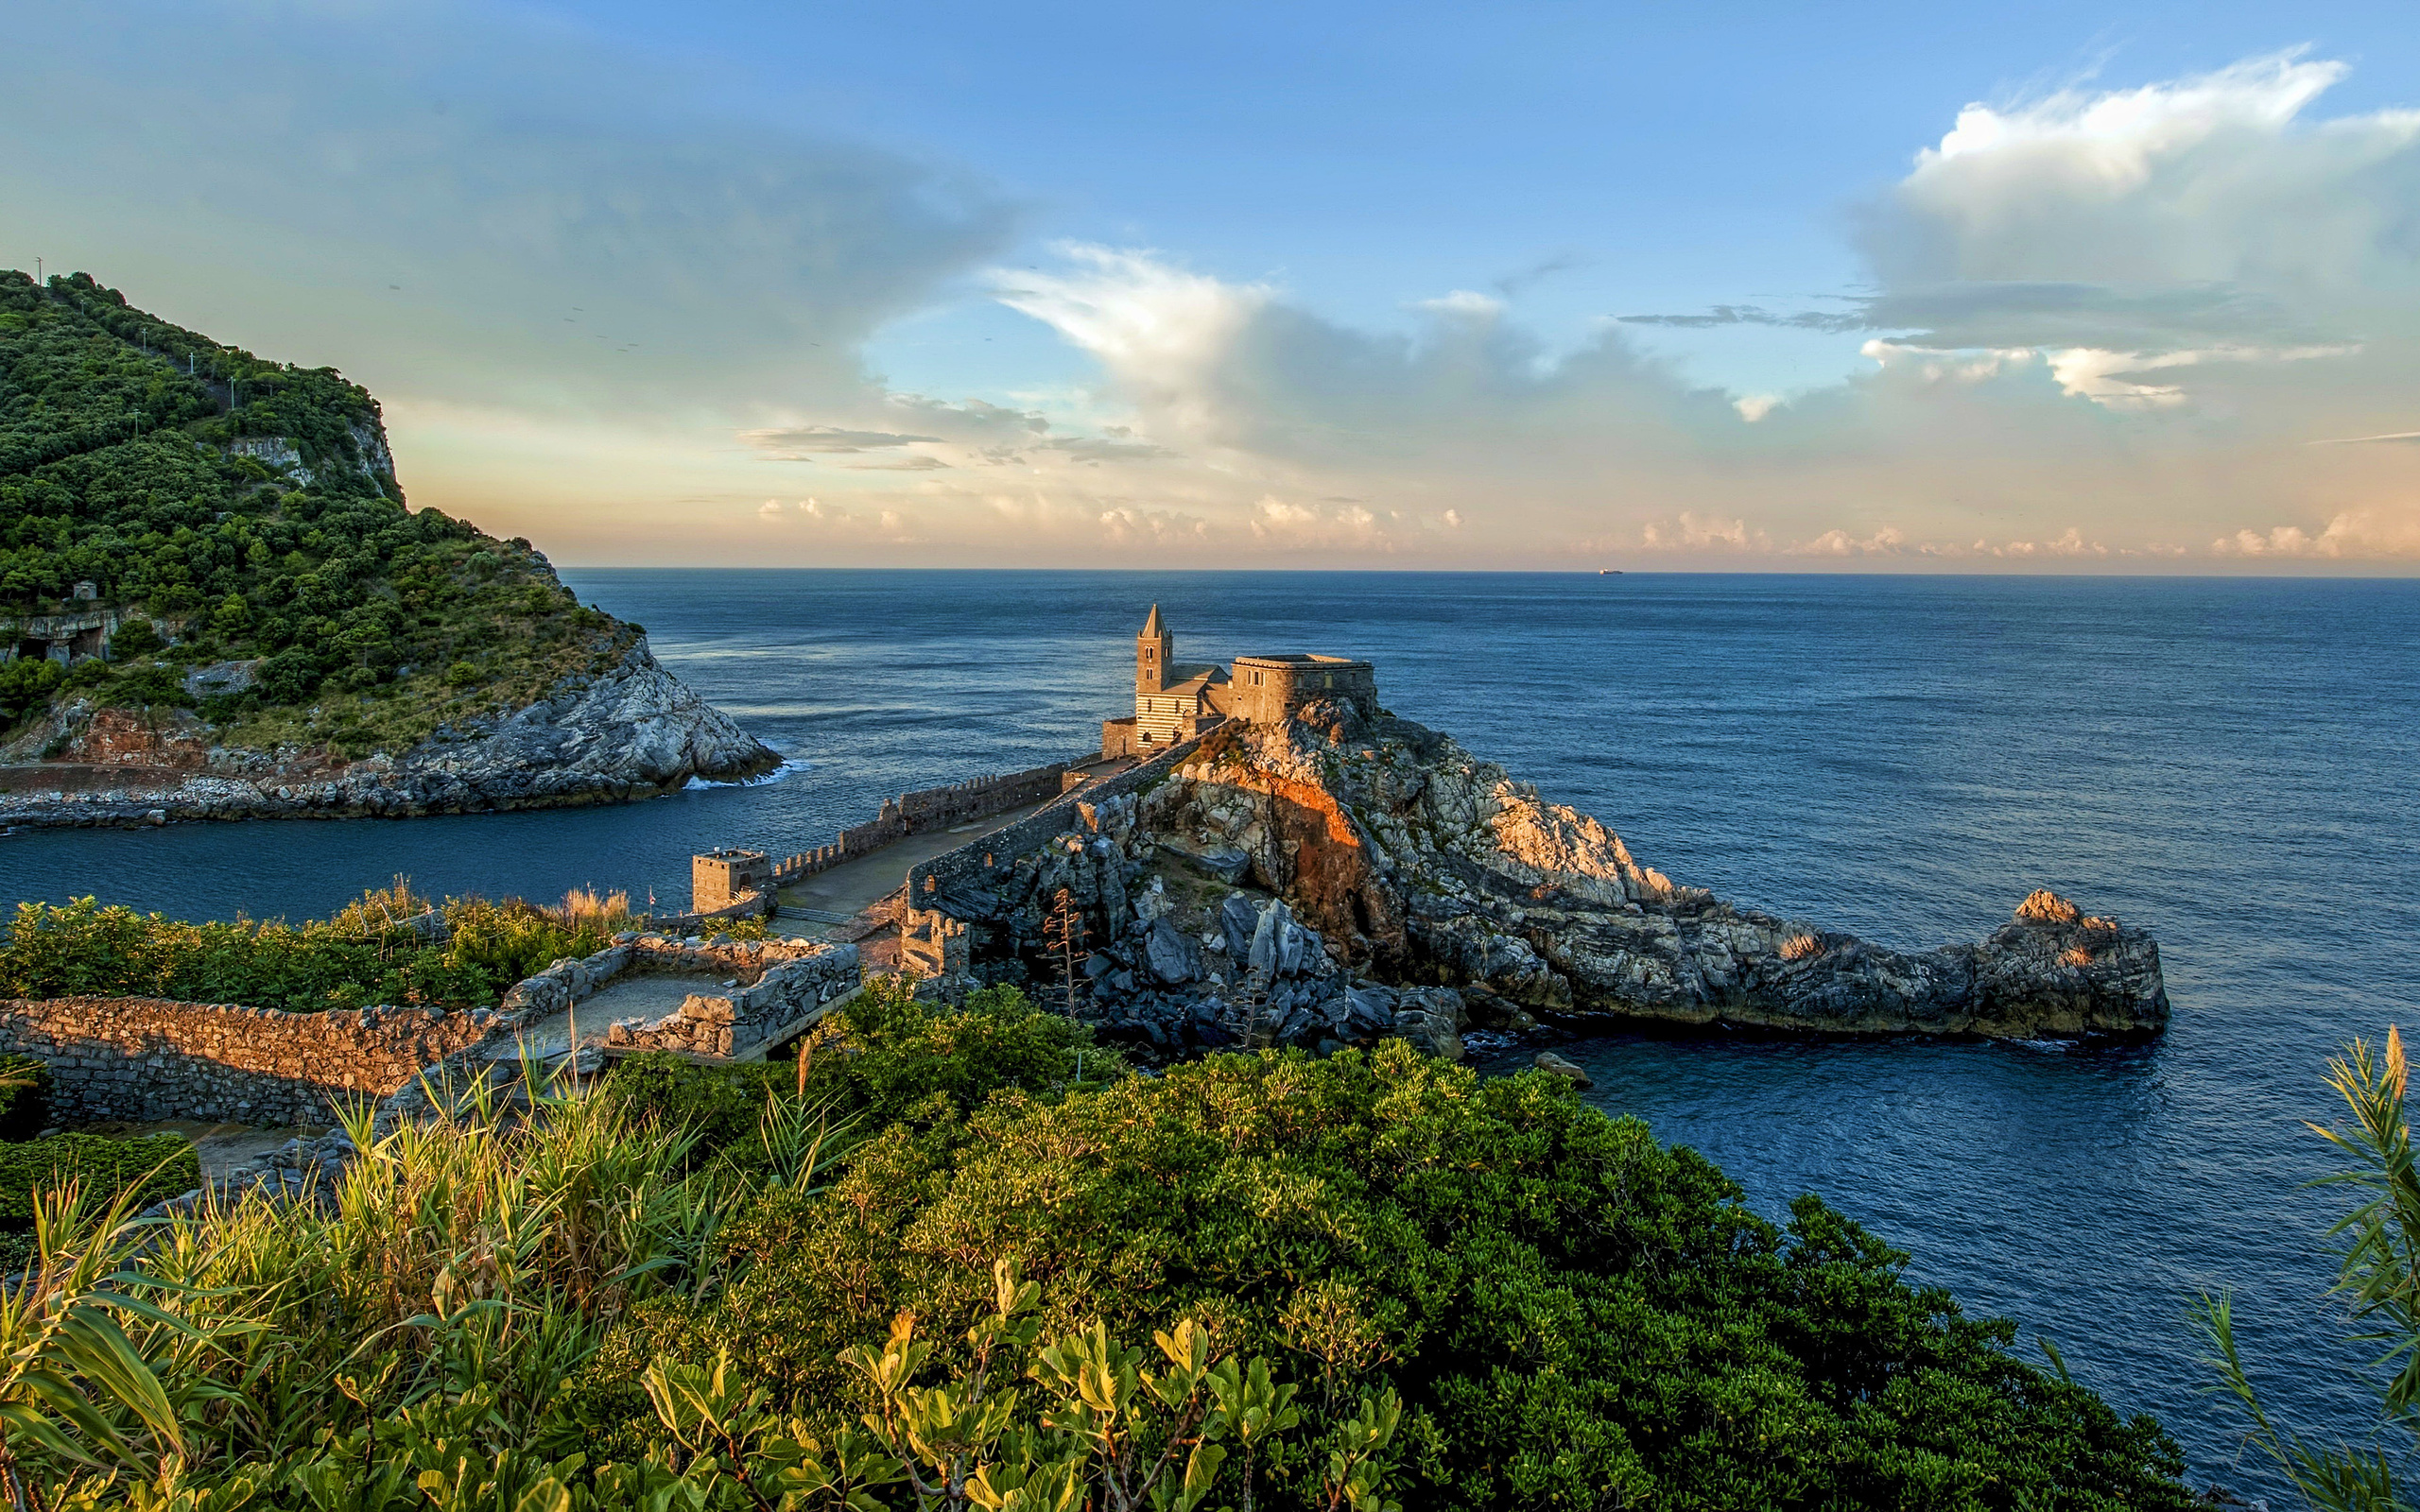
(1152, 625)
(1193, 679)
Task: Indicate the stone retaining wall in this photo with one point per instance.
(145, 1059)
(771, 987)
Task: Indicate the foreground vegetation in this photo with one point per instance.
(2378, 1278)
(237, 509)
(962, 1258)
(391, 947)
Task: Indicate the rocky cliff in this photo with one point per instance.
(1331, 879)
(631, 732)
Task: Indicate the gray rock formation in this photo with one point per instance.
(1570, 1070)
(633, 732)
(1385, 863)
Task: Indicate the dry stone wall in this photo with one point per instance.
(145, 1058)
(770, 987)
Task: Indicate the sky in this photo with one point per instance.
(2045, 289)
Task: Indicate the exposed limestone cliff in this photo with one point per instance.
(1410, 866)
(633, 731)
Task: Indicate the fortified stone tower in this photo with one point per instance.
(1154, 653)
(722, 878)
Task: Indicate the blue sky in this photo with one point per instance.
(1318, 283)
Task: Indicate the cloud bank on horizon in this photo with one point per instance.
(2166, 325)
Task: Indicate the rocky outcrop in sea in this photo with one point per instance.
(1335, 880)
(631, 732)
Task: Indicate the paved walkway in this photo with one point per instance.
(867, 880)
(854, 886)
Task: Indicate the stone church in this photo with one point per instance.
(1174, 702)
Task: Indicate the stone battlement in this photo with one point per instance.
(724, 880)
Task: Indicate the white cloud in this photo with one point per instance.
(1691, 531)
(2204, 180)
(2370, 533)
(2107, 379)
(1888, 541)
(1152, 323)
(462, 201)
(2137, 306)
(1463, 305)
(1128, 526)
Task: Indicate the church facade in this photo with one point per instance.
(1175, 702)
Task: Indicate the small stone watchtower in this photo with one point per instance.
(722, 878)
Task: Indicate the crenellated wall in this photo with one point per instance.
(920, 812)
(930, 882)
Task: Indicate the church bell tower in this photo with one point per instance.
(1154, 652)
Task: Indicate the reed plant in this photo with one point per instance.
(2378, 1279)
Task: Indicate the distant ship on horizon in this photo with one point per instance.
(1609, 572)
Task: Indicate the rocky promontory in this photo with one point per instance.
(1334, 879)
(218, 604)
(633, 731)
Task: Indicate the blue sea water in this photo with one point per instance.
(2228, 761)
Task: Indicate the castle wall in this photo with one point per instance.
(1268, 690)
(929, 881)
(919, 813)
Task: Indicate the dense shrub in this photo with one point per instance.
(1488, 1296)
(1569, 1311)
(155, 1166)
(367, 954)
(880, 1059)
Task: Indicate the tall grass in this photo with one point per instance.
(438, 1298)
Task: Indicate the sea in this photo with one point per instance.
(2229, 763)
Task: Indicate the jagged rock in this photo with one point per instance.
(1554, 1065)
(1174, 958)
(1432, 1018)
(1237, 920)
(1457, 898)
(1227, 865)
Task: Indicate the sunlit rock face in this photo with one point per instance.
(1419, 865)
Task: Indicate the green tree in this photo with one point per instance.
(231, 618)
